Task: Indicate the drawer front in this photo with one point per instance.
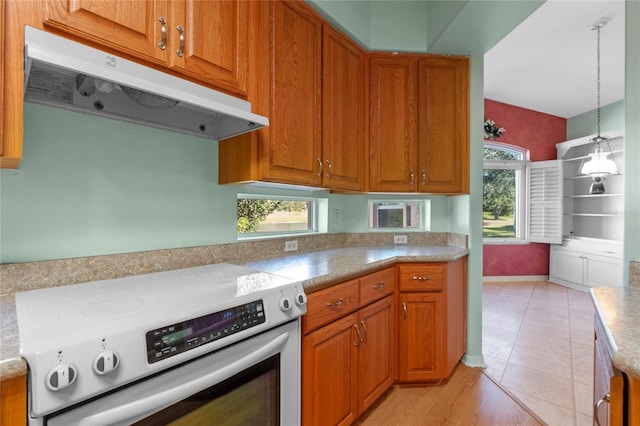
(376, 286)
(330, 304)
(422, 277)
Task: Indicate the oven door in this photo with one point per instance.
(253, 382)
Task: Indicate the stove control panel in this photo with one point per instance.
(180, 337)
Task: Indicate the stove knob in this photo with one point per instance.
(105, 362)
(61, 376)
(286, 304)
(301, 299)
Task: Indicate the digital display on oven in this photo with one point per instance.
(176, 338)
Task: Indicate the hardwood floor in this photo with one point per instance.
(469, 398)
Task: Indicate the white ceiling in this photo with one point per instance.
(548, 63)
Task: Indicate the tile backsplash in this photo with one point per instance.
(634, 274)
(15, 277)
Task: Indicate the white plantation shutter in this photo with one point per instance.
(545, 202)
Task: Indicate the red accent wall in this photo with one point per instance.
(538, 132)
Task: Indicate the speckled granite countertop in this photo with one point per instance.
(619, 310)
(316, 269)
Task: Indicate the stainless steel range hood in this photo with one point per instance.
(66, 74)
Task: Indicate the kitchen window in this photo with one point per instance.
(503, 202)
(266, 216)
(394, 214)
(522, 201)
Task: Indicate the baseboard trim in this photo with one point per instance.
(517, 278)
(474, 361)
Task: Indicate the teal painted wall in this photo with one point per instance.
(351, 17)
(612, 117)
(92, 186)
(399, 26)
(632, 136)
(471, 206)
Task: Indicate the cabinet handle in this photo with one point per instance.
(604, 399)
(355, 342)
(411, 177)
(364, 328)
(335, 304)
(378, 286)
(328, 168)
(163, 30)
(320, 166)
(424, 176)
(608, 252)
(421, 278)
(404, 310)
(181, 32)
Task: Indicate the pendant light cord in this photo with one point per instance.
(598, 26)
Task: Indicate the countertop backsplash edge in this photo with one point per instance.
(16, 277)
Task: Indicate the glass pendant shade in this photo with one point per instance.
(599, 165)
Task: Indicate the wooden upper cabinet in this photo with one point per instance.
(215, 47)
(419, 124)
(205, 40)
(443, 125)
(129, 26)
(344, 112)
(292, 152)
(393, 127)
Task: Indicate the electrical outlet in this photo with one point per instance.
(291, 245)
(399, 239)
(336, 216)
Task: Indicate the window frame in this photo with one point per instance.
(423, 208)
(521, 167)
(313, 223)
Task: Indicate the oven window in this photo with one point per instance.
(251, 397)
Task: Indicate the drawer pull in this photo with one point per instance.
(379, 285)
(181, 34)
(335, 304)
(421, 278)
(355, 342)
(364, 328)
(604, 399)
(163, 30)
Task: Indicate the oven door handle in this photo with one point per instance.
(144, 407)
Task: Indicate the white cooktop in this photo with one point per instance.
(72, 312)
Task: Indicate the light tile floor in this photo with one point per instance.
(538, 343)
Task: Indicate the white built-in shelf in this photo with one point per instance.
(594, 195)
(595, 214)
(583, 157)
(589, 177)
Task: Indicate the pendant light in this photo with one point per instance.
(599, 165)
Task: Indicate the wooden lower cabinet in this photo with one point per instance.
(329, 374)
(13, 401)
(347, 365)
(431, 320)
(348, 348)
(616, 396)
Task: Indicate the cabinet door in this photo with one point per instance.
(292, 153)
(602, 271)
(344, 112)
(329, 374)
(608, 384)
(215, 47)
(129, 26)
(421, 331)
(375, 358)
(393, 124)
(566, 265)
(443, 110)
(13, 401)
